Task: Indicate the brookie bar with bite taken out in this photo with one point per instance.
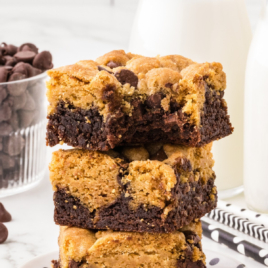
(157, 188)
(80, 248)
(125, 99)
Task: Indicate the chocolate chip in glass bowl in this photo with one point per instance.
(3, 74)
(25, 56)
(16, 89)
(5, 129)
(30, 103)
(3, 93)
(10, 61)
(26, 118)
(7, 161)
(8, 49)
(28, 47)
(43, 61)
(18, 102)
(5, 111)
(13, 145)
(21, 68)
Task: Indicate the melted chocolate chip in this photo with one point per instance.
(73, 264)
(100, 68)
(154, 101)
(4, 214)
(192, 236)
(3, 233)
(169, 85)
(126, 76)
(160, 155)
(190, 264)
(113, 64)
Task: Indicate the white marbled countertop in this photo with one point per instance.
(72, 32)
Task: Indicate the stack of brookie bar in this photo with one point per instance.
(132, 191)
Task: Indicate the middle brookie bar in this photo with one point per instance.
(157, 188)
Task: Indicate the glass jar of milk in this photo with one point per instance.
(256, 118)
(204, 30)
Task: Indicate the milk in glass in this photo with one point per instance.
(256, 119)
(204, 30)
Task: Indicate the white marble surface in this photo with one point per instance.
(71, 30)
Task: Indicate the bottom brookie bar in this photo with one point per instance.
(81, 248)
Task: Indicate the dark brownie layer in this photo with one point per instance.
(148, 123)
(192, 201)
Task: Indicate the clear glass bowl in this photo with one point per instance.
(22, 134)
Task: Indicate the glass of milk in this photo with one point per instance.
(256, 119)
(204, 30)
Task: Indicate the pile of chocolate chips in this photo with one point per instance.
(22, 105)
(22, 62)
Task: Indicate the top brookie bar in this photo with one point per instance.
(125, 99)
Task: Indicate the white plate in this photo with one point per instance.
(214, 260)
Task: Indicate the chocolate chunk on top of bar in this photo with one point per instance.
(169, 99)
(126, 190)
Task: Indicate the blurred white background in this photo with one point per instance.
(75, 30)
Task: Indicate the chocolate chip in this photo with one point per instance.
(113, 64)
(13, 145)
(8, 49)
(32, 71)
(3, 93)
(17, 102)
(16, 89)
(159, 155)
(100, 68)
(10, 61)
(5, 129)
(5, 111)
(4, 214)
(43, 60)
(73, 264)
(25, 118)
(29, 103)
(154, 101)
(21, 68)
(14, 121)
(3, 233)
(3, 74)
(191, 236)
(6, 161)
(171, 119)
(126, 76)
(169, 85)
(25, 56)
(28, 47)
